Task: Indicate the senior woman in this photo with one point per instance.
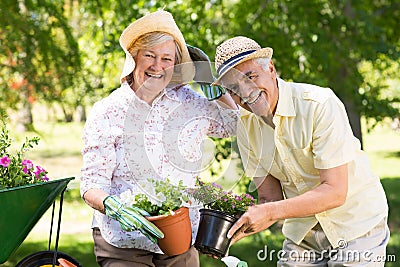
(153, 126)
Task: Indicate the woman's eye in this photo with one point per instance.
(167, 59)
(149, 55)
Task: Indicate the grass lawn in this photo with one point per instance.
(59, 153)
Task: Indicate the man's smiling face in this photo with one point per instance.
(253, 87)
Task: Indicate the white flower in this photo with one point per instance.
(161, 197)
(232, 261)
(127, 198)
(148, 188)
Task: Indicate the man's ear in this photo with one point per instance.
(272, 68)
(271, 65)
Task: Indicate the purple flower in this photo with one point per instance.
(28, 166)
(5, 161)
(216, 185)
(38, 173)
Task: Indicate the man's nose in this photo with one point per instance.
(245, 89)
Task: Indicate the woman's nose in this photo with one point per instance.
(157, 64)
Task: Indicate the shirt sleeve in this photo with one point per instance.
(333, 139)
(99, 157)
(223, 121)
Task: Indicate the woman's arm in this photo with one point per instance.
(94, 198)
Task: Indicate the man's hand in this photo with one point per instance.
(256, 219)
(203, 75)
(131, 218)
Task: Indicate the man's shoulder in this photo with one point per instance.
(311, 92)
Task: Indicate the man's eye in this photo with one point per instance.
(149, 55)
(252, 77)
(167, 59)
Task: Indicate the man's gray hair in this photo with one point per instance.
(263, 62)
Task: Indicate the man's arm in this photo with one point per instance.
(226, 101)
(269, 189)
(331, 193)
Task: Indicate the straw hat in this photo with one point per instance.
(159, 21)
(236, 50)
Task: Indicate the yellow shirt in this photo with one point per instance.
(312, 132)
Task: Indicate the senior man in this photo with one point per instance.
(296, 142)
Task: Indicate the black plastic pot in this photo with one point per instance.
(211, 237)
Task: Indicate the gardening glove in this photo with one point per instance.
(203, 75)
(131, 218)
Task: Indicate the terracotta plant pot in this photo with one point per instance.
(177, 231)
(213, 228)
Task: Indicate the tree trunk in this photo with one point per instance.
(25, 118)
(354, 118)
(80, 113)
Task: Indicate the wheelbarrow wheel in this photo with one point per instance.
(45, 259)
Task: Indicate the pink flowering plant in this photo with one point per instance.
(15, 170)
(213, 196)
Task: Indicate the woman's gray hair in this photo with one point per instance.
(151, 39)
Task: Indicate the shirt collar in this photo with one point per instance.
(172, 91)
(131, 95)
(285, 105)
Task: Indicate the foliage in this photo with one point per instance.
(214, 197)
(39, 55)
(68, 52)
(159, 197)
(14, 169)
(324, 42)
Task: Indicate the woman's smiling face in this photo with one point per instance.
(154, 67)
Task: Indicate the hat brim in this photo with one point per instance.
(225, 68)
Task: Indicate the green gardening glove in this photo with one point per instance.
(131, 218)
(203, 75)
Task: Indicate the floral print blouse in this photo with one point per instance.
(127, 141)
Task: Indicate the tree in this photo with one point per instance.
(325, 42)
(38, 54)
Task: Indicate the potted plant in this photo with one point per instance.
(221, 210)
(25, 195)
(15, 170)
(166, 204)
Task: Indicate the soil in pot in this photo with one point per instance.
(177, 231)
(213, 228)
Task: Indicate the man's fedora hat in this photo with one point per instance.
(237, 50)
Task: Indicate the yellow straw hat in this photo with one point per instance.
(159, 21)
(236, 50)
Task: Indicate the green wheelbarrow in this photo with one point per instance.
(20, 209)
